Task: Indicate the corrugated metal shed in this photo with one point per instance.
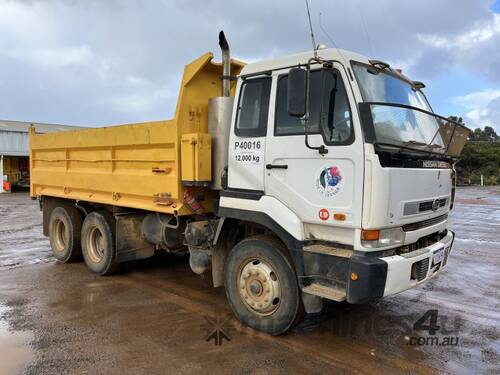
(14, 135)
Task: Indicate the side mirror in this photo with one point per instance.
(297, 83)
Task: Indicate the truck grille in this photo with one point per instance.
(413, 208)
(424, 223)
(419, 269)
(427, 206)
(421, 243)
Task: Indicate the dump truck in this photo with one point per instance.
(321, 175)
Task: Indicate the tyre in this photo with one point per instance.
(65, 226)
(261, 285)
(98, 243)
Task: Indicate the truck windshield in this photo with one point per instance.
(379, 86)
(401, 116)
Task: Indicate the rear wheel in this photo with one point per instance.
(98, 243)
(261, 285)
(65, 225)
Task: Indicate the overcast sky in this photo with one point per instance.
(98, 62)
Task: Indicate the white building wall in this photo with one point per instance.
(13, 143)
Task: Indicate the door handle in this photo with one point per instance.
(276, 166)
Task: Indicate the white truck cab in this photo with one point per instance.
(343, 159)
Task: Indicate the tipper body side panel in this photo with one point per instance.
(134, 165)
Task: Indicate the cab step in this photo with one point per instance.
(327, 292)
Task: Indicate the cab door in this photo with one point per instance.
(323, 190)
(247, 142)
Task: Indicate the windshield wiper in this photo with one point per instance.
(414, 143)
(435, 146)
(427, 146)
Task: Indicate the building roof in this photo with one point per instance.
(21, 126)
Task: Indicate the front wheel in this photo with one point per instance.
(261, 285)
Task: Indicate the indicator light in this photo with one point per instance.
(370, 234)
(339, 217)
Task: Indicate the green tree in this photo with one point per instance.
(456, 119)
(490, 134)
(480, 156)
(486, 135)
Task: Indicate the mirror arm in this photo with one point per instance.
(321, 149)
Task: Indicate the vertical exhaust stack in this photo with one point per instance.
(226, 65)
(220, 110)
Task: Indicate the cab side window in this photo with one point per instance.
(329, 111)
(253, 108)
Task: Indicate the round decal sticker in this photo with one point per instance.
(330, 181)
(323, 214)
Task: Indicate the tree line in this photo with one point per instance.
(480, 156)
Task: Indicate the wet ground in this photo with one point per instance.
(156, 315)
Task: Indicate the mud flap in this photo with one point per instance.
(312, 304)
(130, 244)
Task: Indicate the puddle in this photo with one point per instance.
(15, 352)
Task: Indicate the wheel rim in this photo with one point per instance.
(60, 236)
(259, 287)
(95, 245)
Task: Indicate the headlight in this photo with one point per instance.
(373, 238)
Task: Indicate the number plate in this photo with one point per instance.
(438, 256)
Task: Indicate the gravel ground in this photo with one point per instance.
(21, 239)
(154, 317)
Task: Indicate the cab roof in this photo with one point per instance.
(341, 55)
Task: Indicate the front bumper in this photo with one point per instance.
(380, 277)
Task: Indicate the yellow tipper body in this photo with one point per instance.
(144, 166)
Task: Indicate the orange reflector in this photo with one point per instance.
(370, 234)
(339, 217)
(354, 276)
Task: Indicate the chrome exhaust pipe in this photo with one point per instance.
(226, 65)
